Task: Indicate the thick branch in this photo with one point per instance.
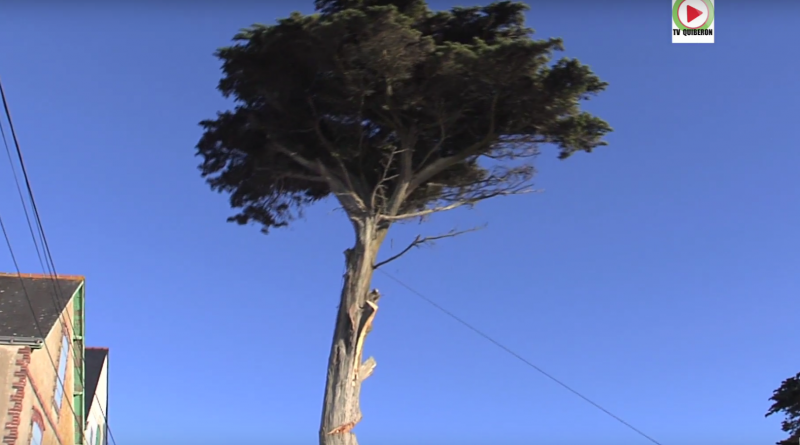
(419, 241)
(303, 162)
(407, 143)
(348, 198)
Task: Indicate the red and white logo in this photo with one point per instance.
(693, 14)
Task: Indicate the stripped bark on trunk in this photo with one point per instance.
(346, 369)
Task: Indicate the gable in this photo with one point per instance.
(95, 360)
(48, 297)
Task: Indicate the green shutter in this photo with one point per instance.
(78, 335)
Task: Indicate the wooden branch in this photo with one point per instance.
(442, 164)
(406, 173)
(426, 212)
(419, 241)
(442, 135)
(303, 162)
(349, 198)
(460, 202)
(384, 178)
(329, 146)
(310, 178)
(360, 156)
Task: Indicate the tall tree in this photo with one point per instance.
(398, 112)
(786, 400)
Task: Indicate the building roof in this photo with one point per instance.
(94, 360)
(48, 296)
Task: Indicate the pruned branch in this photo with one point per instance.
(420, 241)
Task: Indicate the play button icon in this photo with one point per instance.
(693, 21)
(692, 13)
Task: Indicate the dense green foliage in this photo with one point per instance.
(786, 400)
(391, 107)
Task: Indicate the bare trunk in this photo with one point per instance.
(341, 409)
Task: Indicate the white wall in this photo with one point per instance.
(95, 419)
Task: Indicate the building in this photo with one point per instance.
(52, 388)
(96, 431)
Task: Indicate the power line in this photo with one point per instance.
(19, 191)
(48, 254)
(517, 356)
(45, 245)
(35, 316)
(56, 296)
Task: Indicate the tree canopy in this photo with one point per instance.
(786, 400)
(397, 110)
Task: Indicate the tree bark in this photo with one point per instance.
(341, 409)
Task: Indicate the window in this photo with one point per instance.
(99, 437)
(62, 372)
(36, 436)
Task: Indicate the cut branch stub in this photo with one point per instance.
(366, 369)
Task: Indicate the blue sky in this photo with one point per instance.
(657, 276)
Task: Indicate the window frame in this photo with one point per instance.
(35, 427)
(61, 377)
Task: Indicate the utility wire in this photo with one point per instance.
(45, 245)
(36, 317)
(56, 296)
(19, 191)
(517, 356)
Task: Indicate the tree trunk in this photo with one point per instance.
(341, 409)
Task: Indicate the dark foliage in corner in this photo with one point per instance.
(786, 400)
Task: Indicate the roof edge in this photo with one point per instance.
(41, 275)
